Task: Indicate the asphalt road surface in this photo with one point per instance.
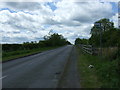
(43, 70)
(70, 77)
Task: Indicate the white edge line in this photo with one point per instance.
(3, 77)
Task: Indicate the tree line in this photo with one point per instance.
(81, 41)
(49, 41)
(109, 35)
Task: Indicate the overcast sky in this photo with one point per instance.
(23, 21)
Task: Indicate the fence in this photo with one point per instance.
(89, 49)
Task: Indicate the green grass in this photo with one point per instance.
(103, 75)
(88, 77)
(16, 54)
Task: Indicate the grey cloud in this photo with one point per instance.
(24, 5)
(37, 38)
(14, 39)
(82, 19)
(18, 27)
(50, 21)
(90, 18)
(14, 25)
(16, 32)
(5, 39)
(71, 23)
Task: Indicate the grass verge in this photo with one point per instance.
(6, 56)
(103, 75)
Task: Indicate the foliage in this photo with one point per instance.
(55, 40)
(107, 67)
(104, 25)
(12, 51)
(105, 73)
(110, 34)
(81, 41)
(21, 53)
(49, 41)
(88, 76)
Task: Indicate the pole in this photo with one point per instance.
(101, 40)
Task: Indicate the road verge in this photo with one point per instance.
(25, 54)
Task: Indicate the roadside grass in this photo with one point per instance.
(103, 75)
(88, 77)
(16, 54)
(109, 53)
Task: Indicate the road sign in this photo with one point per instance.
(97, 24)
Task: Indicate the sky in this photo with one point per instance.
(31, 21)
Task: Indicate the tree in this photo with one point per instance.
(105, 26)
(55, 40)
(52, 40)
(110, 34)
(81, 41)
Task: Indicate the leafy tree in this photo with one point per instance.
(55, 40)
(52, 40)
(109, 33)
(81, 41)
(105, 25)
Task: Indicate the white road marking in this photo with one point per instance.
(31, 63)
(3, 77)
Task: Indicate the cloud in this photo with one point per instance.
(24, 5)
(82, 12)
(58, 0)
(115, 20)
(20, 26)
(31, 21)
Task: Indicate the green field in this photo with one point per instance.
(103, 75)
(20, 53)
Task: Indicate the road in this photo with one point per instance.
(43, 70)
(70, 77)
